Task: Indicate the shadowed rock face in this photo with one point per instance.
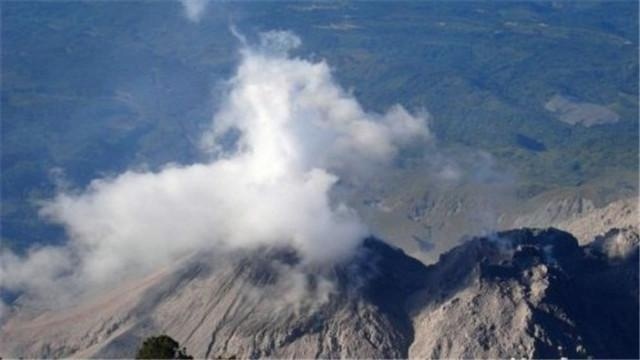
(518, 293)
(532, 293)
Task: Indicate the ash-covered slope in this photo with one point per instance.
(579, 216)
(518, 293)
(258, 304)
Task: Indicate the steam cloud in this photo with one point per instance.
(299, 134)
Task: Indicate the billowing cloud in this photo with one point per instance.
(194, 9)
(299, 133)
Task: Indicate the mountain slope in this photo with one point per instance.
(579, 216)
(518, 293)
(261, 304)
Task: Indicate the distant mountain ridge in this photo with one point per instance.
(527, 292)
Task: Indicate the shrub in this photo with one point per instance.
(161, 347)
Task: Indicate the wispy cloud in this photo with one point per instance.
(194, 9)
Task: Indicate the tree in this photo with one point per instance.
(161, 347)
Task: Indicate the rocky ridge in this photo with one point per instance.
(533, 293)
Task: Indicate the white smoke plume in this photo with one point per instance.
(300, 133)
(194, 9)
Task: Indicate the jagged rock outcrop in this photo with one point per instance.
(528, 293)
(533, 293)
